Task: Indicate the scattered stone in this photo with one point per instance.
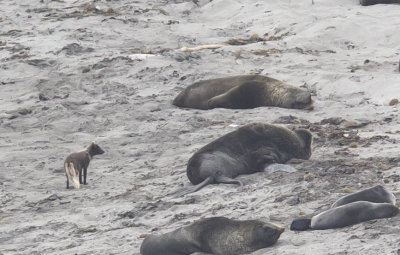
(395, 177)
(353, 145)
(383, 166)
(90, 229)
(24, 111)
(86, 70)
(74, 49)
(128, 214)
(309, 177)
(42, 97)
(355, 123)
(291, 120)
(346, 190)
(394, 101)
(252, 39)
(332, 121)
(41, 63)
(143, 235)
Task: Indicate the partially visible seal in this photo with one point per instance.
(243, 92)
(372, 2)
(346, 215)
(247, 150)
(376, 194)
(217, 235)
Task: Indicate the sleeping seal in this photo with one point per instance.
(217, 235)
(346, 215)
(243, 92)
(247, 150)
(376, 194)
(372, 2)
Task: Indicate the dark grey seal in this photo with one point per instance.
(217, 235)
(243, 92)
(372, 2)
(346, 215)
(247, 150)
(376, 194)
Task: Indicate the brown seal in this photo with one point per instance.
(372, 2)
(243, 92)
(217, 235)
(247, 150)
(78, 162)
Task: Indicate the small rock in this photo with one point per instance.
(355, 123)
(332, 121)
(383, 166)
(86, 70)
(309, 177)
(24, 111)
(129, 214)
(302, 213)
(346, 190)
(394, 101)
(143, 235)
(353, 145)
(42, 97)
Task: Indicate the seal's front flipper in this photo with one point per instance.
(227, 180)
(300, 225)
(190, 189)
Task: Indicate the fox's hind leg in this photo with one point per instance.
(84, 175)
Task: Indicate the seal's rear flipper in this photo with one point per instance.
(300, 224)
(227, 180)
(191, 189)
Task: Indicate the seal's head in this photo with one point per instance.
(267, 234)
(303, 101)
(306, 136)
(390, 210)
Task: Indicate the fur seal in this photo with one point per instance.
(376, 194)
(346, 215)
(243, 92)
(372, 2)
(217, 235)
(246, 150)
(78, 162)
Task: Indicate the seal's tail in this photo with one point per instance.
(190, 189)
(300, 225)
(72, 174)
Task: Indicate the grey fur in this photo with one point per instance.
(352, 213)
(217, 235)
(376, 194)
(247, 150)
(243, 92)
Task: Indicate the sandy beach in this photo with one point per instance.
(72, 72)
